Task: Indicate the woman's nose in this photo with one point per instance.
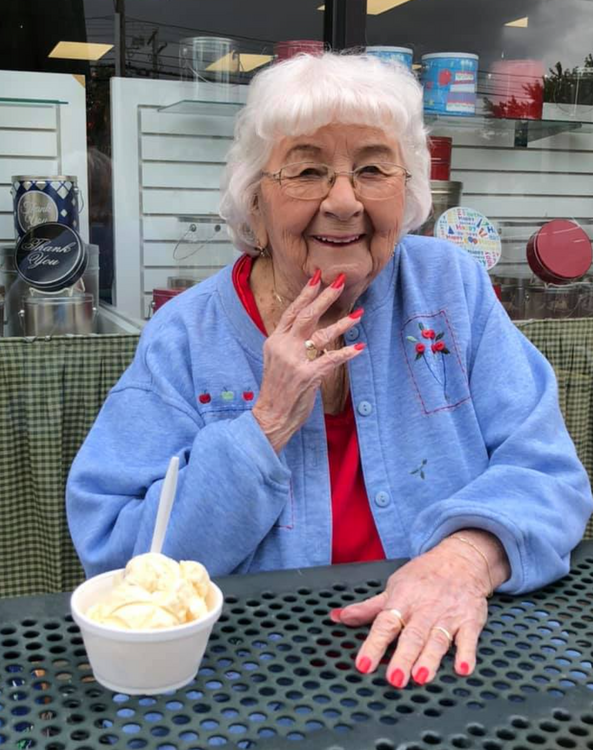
(341, 201)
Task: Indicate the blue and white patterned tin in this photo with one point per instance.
(40, 200)
(403, 55)
(450, 83)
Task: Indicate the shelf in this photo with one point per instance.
(32, 102)
(202, 107)
(525, 131)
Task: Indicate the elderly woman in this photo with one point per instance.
(345, 391)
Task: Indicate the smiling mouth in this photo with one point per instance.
(338, 241)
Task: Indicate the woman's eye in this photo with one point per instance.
(370, 169)
(311, 172)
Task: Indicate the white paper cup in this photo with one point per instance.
(142, 661)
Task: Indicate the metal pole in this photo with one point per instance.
(344, 23)
(152, 40)
(120, 38)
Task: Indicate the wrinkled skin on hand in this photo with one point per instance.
(443, 588)
(287, 369)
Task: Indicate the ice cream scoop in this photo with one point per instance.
(153, 592)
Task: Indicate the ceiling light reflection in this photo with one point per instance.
(520, 23)
(79, 51)
(247, 62)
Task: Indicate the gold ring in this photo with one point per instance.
(445, 631)
(398, 614)
(311, 350)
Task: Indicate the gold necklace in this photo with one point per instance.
(275, 294)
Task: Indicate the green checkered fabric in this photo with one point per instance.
(51, 391)
(568, 346)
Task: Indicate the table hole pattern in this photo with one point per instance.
(279, 672)
(559, 729)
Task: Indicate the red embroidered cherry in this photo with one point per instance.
(438, 347)
(420, 348)
(428, 333)
(248, 395)
(204, 398)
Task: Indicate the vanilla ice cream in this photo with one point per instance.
(154, 592)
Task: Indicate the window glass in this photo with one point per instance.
(508, 101)
(172, 47)
(548, 30)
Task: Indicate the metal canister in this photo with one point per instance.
(517, 88)
(512, 295)
(446, 194)
(57, 316)
(8, 276)
(543, 301)
(402, 55)
(39, 200)
(180, 282)
(440, 157)
(160, 296)
(287, 49)
(559, 252)
(450, 83)
(51, 257)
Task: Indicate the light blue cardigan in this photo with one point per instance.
(467, 436)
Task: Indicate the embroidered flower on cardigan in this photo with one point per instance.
(420, 469)
(437, 365)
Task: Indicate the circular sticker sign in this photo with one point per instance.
(50, 257)
(472, 231)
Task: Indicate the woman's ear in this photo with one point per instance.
(257, 223)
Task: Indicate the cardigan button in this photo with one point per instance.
(382, 499)
(364, 408)
(352, 334)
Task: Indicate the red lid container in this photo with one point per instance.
(440, 157)
(559, 252)
(292, 47)
(160, 296)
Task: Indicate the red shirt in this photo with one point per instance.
(354, 534)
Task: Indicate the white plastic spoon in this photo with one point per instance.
(165, 505)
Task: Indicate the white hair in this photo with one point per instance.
(299, 96)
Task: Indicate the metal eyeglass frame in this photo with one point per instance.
(333, 174)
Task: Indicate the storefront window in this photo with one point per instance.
(103, 45)
(136, 100)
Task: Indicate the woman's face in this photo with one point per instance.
(341, 233)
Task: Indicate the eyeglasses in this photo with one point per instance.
(310, 181)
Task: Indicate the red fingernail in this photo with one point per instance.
(335, 614)
(339, 281)
(357, 313)
(315, 278)
(421, 675)
(396, 678)
(464, 667)
(359, 346)
(364, 664)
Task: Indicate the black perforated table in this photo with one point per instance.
(279, 673)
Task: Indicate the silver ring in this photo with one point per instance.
(445, 631)
(311, 350)
(398, 614)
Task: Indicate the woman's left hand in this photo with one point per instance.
(431, 602)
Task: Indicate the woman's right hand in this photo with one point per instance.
(290, 379)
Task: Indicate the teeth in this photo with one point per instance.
(341, 241)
